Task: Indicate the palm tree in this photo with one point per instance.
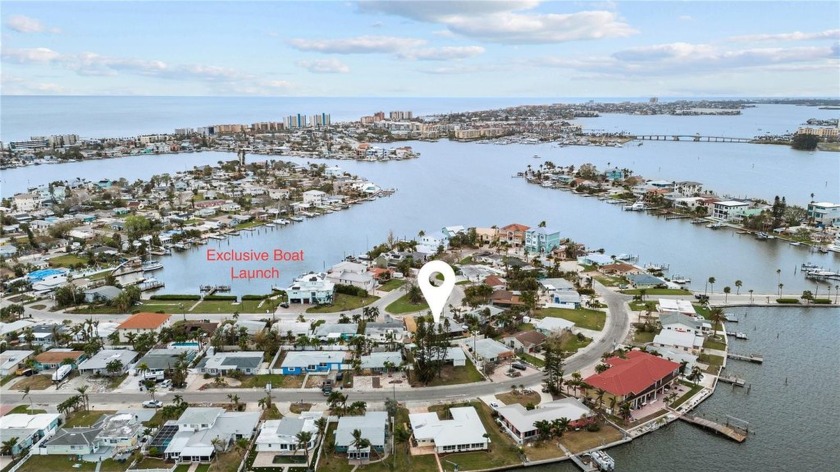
(543, 429)
(358, 440)
(780, 290)
(712, 283)
(600, 396)
(716, 316)
(303, 438)
(234, 399)
(178, 400)
(26, 394)
(83, 393)
(7, 449)
(751, 295)
(779, 273)
(560, 426)
(738, 285)
(726, 291)
(152, 392)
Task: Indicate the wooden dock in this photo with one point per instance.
(731, 379)
(755, 358)
(728, 431)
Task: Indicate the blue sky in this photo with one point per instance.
(421, 48)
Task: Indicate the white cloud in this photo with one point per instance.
(357, 45)
(25, 24)
(685, 18)
(795, 36)
(30, 55)
(447, 53)
(324, 66)
(508, 21)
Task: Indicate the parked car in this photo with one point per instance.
(284, 305)
(327, 390)
(494, 405)
(518, 366)
(152, 404)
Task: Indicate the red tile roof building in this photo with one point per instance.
(638, 378)
(513, 234)
(142, 323)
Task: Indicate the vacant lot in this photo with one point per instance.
(35, 382)
(343, 302)
(523, 399)
(582, 318)
(451, 375)
(403, 305)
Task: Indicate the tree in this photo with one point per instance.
(8, 447)
(780, 289)
(808, 296)
(114, 367)
(738, 285)
(712, 283)
(234, 400)
(358, 440)
(26, 394)
(553, 370)
(302, 442)
(726, 291)
(544, 429)
(804, 142)
(83, 393)
(415, 295)
(560, 426)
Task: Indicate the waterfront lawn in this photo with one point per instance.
(391, 285)
(152, 463)
(534, 361)
(610, 281)
(541, 450)
(509, 398)
(35, 382)
(225, 306)
(583, 440)
(403, 305)
(67, 260)
(85, 418)
(38, 463)
(711, 343)
(343, 302)
(25, 409)
(693, 389)
(710, 359)
(451, 375)
(641, 336)
(582, 318)
(657, 291)
(638, 305)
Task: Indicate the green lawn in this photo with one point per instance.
(183, 468)
(67, 261)
(710, 343)
(657, 291)
(276, 381)
(24, 409)
(451, 375)
(223, 306)
(391, 285)
(85, 418)
(610, 281)
(502, 450)
(640, 336)
(202, 468)
(582, 318)
(535, 361)
(689, 394)
(637, 305)
(343, 302)
(41, 463)
(402, 305)
(712, 360)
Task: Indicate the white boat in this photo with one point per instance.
(717, 225)
(678, 279)
(835, 246)
(602, 460)
(795, 243)
(297, 219)
(809, 266)
(152, 265)
(638, 206)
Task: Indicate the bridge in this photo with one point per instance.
(692, 138)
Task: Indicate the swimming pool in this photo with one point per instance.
(184, 345)
(42, 274)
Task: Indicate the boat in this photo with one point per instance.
(698, 221)
(795, 243)
(679, 279)
(626, 257)
(152, 265)
(296, 219)
(762, 236)
(809, 266)
(835, 246)
(536, 156)
(656, 267)
(729, 317)
(717, 225)
(638, 206)
(602, 460)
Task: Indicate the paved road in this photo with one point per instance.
(615, 330)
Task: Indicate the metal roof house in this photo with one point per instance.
(98, 364)
(201, 432)
(300, 362)
(464, 432)
(519, 421)
(247, 362)
(281, 435)
(372, 425)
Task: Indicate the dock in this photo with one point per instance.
(212, 289)
(734, 434)
(150, 284)
(755, 358)
(731, 379)
(590, 467)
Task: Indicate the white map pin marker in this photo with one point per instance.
(436, 296)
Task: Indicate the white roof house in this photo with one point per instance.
(99, 362)
(464, 432)
(456, 355)
(490, 349)
(11, 360)
(548, 324)
(280, 435)
(372, 426)
(685, 340)
(297, 328)
(198, 427)
(667, 305)
(519, 421)
(220, 362)
(377, 360)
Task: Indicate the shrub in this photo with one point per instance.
(175, 296)
(220, 298)
(255, 297)
(350, 290)
(586, 291)
(787, 301)
(821, 301)
(593, 427)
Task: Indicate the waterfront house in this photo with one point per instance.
(638, 378)
(463, 432)
(541, 240)
(54, 358)
(222, 363)
(513, 234)
(549, 325)
(679, 339)
(824, 213)
(140, 323)
(281, 435)
(595, 258)
(79, 441)
(729, 210)
(488, 349)
(311, 288)
(644, 280)
(98, 364)
(675, 355)
(313, 197)
(28, 429)
(102, 294)
(619, 268)
(525, 341)
(362, 280)
(669, 305)
(200, 432)
(373, 426)
(301, 362)
(518, 421)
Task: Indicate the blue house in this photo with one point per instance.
(644, 280)
(614, 174)
(301, 362)
(541, 240)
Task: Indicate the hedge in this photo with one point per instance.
(350, 290)
(821, 301)
(792, 301)
(255, 297)
(175, 297)
(220, 298)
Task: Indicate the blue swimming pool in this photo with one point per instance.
(44, 273)
(184, 345)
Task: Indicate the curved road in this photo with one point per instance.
(615, 330)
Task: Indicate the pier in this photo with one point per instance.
(211, 289)
(150, 284)
(755, 358)
(731, 379)
(733, 433)
(696, 138)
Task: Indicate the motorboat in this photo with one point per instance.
(152, 265)
(602, 460)
(638, 206)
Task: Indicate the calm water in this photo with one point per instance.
(792, 422)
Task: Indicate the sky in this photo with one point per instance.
(395, 48)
